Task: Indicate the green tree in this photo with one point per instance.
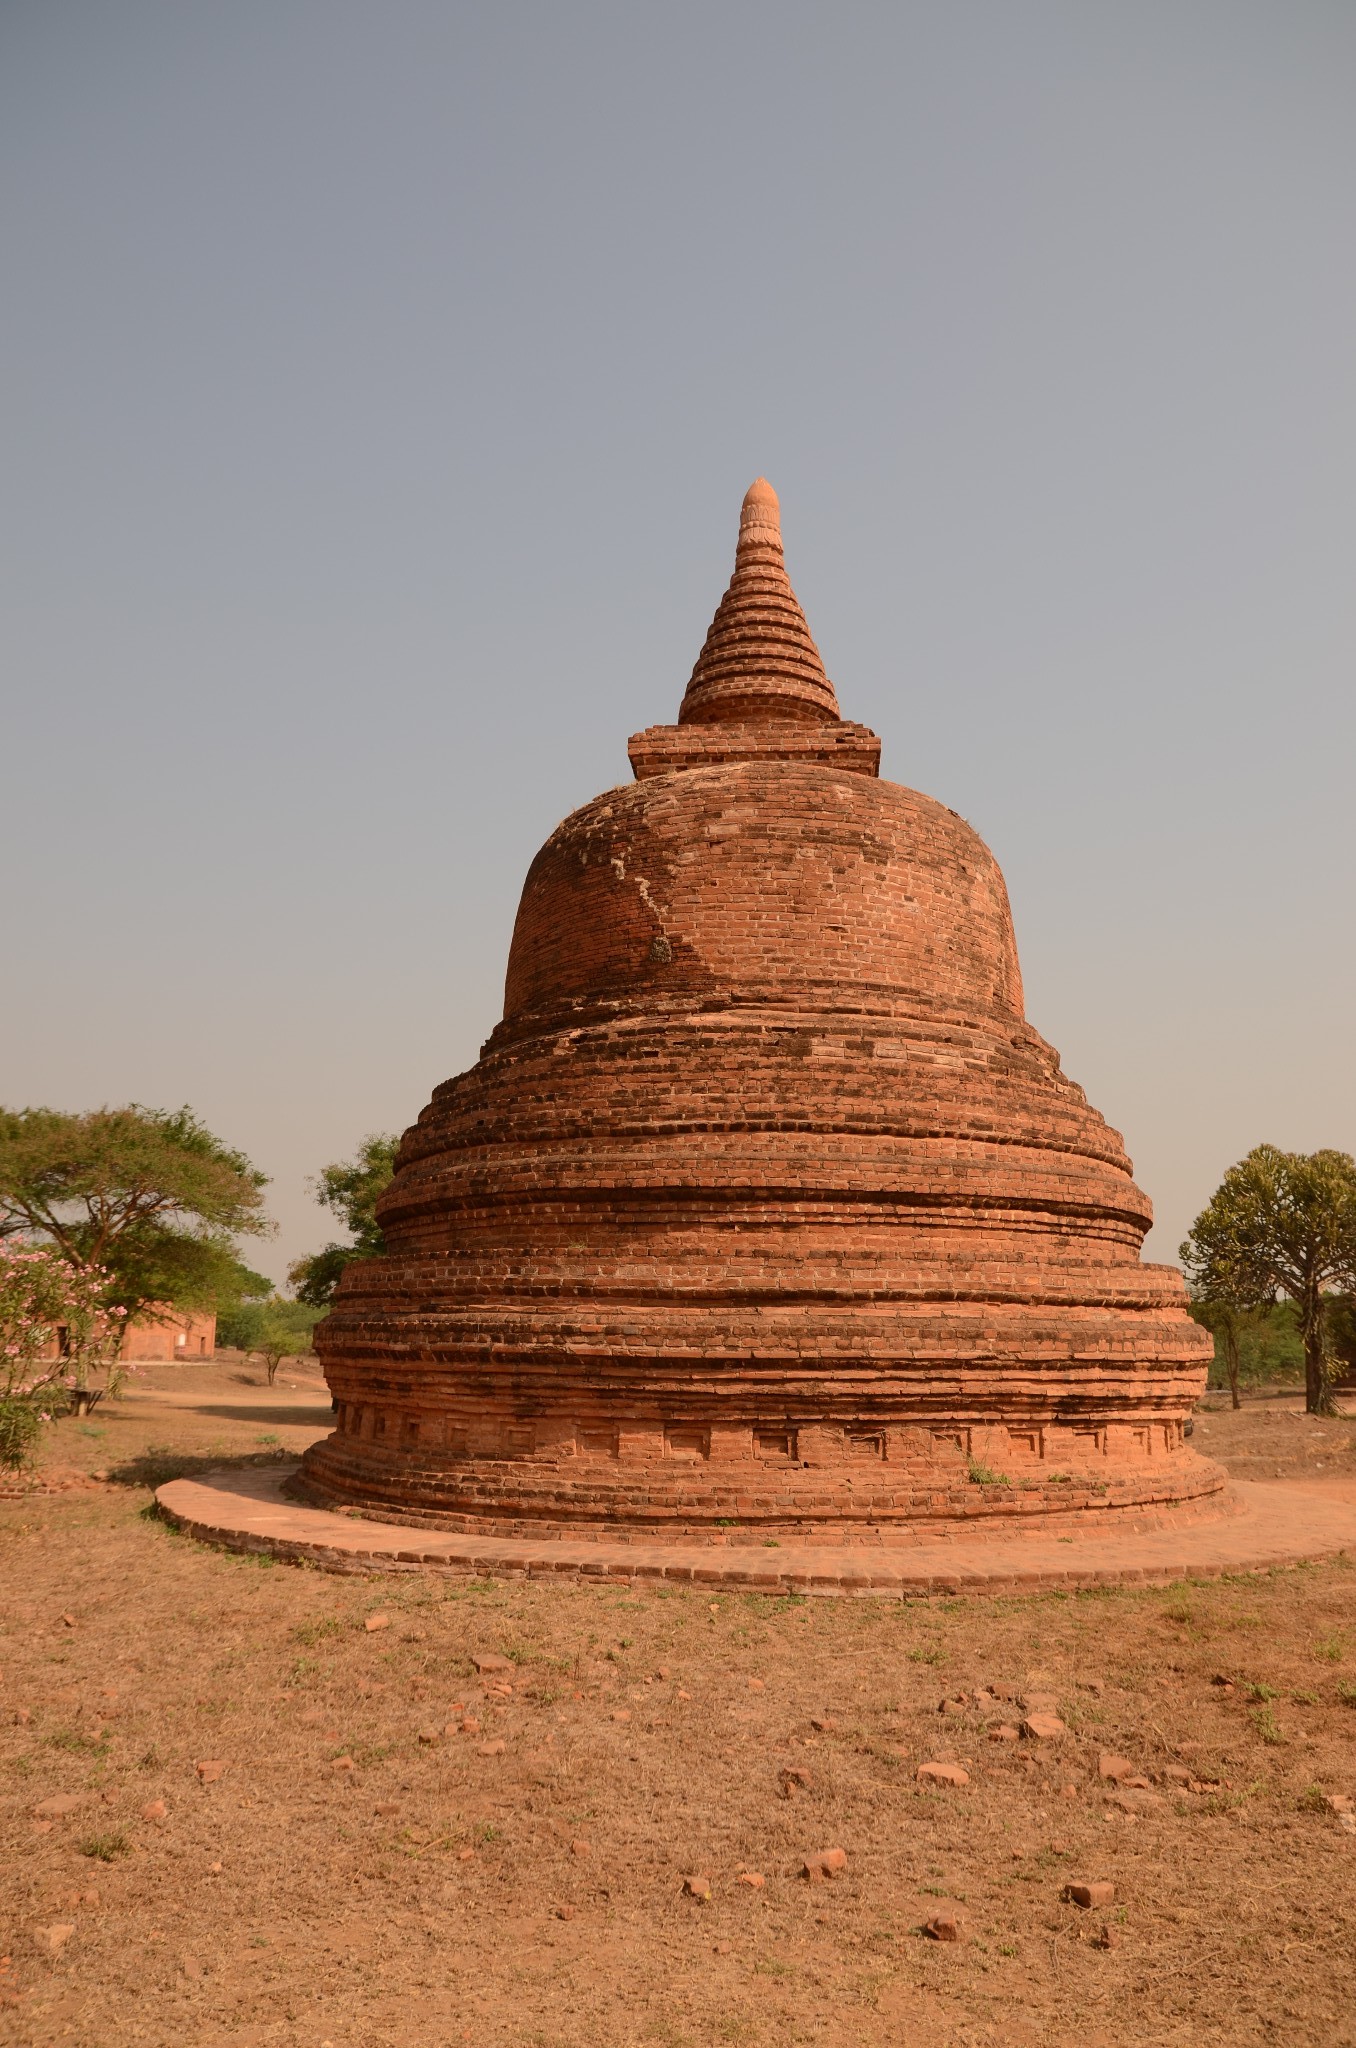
(277, 1329)
(1341, 1312)
(149, 1196)
(1228, 1323)
(1281, 1223)
(238, 1304)
(350, 1189)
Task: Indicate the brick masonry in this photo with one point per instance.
(764, 1206)
(1273, 1528)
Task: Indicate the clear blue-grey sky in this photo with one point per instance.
(380, 384)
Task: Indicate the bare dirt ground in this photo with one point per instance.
(265, 1833)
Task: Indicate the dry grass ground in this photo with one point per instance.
(344, 1880)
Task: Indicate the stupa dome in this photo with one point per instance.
(763, 1208)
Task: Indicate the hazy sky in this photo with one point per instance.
(380, 383)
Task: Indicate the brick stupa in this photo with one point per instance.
(764, 1211)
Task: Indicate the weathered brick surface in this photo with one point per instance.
(764, 1205)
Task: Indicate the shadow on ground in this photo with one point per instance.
(154, 1467)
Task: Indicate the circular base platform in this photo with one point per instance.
(1272, 1526)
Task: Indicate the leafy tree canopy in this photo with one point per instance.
(149, 1195)
(1281, 1223)
(350, 1188)
(276, 1328)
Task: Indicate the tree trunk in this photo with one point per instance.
(1231, 1363)
(272, 1364)
(1318, 1398)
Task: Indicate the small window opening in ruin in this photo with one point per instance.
(63, 1337)
(688, 1443)
(774, 1443)
(597, 1443)
(411, 1432)
(866, 1443)
(379, 1425)
(202, 1347)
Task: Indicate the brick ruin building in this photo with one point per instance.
(764, 1211)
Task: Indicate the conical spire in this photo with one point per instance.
(759, 661)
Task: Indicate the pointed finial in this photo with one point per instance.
(760, 516)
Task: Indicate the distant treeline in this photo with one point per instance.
(1270, 1350)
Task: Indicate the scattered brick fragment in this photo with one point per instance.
(52, 1940)
(490, 1660)
(154, 1809)
(1136, 1799)
(1043, 1727)
(754, 1879)
(697, 1887)
(58, 1806)
(942, 1774)
(375, 1622)
(824, 1863)
(210, 1771)
(1088, 1895)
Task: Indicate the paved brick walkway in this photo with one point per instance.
(1274, 1526)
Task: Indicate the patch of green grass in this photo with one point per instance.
(71, 1738)
(309, 1632)
(1330, 1649)
(984, 1475)
(1305, 1699)
(1346, 1694)
(1313, 1800)
(365, 1753)
(105, 1848)
(1264, 1721)
(1262, 1692)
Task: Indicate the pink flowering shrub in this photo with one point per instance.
(55, 1332)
